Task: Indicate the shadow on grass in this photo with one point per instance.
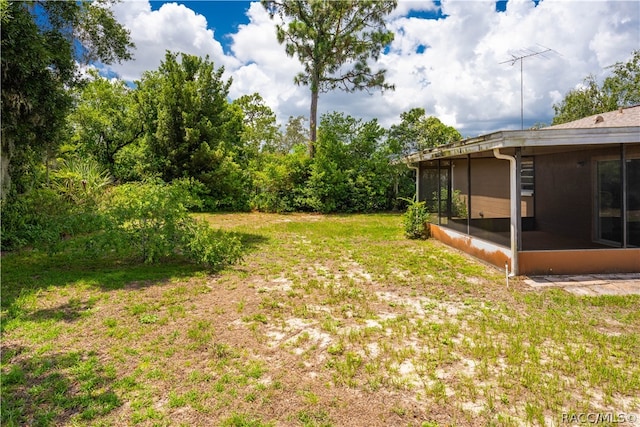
(68, 312)
(55, 389)
(62, 388)
(27, 272)
(251, 242)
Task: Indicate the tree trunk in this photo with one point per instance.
(5, 158)
(312, 123)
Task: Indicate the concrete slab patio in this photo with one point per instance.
(590, 285)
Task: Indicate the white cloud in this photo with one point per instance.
(406, 6)
(173, 27)
(467, 84)
(267, 70)
(459, 77)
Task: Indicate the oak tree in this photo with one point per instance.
(43, 44)
(416, 132)
(295, 134)
(106, 118)
(260, 131)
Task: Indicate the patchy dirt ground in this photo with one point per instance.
(330, 320)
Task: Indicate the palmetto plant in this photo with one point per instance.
(81, 180)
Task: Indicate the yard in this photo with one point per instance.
(328, 321)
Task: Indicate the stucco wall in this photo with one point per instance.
(585, 261)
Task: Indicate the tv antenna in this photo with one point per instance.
(520, 56)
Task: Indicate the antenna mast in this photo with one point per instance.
(515, 58)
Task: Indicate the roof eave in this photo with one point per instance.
(529, 138)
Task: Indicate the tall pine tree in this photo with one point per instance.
(334, 40)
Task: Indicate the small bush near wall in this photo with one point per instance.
(416, 220)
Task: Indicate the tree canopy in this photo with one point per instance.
(417, 132)
(620, 89)
(106, 118)
(191, 129)
(295, 134)
(334, 40)
(261, 131)
(42, 43)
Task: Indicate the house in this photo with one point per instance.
(559, 200)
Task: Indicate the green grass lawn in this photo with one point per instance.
(328, 321)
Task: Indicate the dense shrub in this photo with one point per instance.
(44, 219)
(280, 181)
(151, 221)
(416, 220)
(351, 170)
(81, 181)
(145, 220)
(206, 246)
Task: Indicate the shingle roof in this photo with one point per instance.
(615, 127)
(624, 117)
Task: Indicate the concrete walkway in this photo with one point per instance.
(590, 285)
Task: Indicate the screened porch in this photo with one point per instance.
(538, 207)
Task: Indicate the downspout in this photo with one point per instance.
(513, 196)
(417, 169)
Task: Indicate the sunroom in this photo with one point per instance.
(558, 200)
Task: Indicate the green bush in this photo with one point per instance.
(145, 220)
(280, 181)
(44, 219)
(351, 170)
(209, 247)
(81, 181)
(416, 220)
(151, 221)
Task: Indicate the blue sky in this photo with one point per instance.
(223, 17)
(447, 56)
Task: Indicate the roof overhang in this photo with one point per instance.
(575, 138)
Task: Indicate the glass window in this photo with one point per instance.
(527, 177)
